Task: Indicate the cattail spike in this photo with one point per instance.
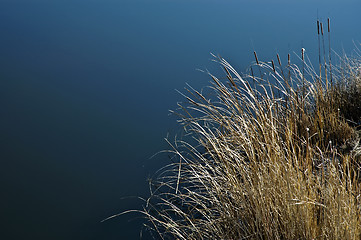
(328, 24)
(319, 46)
(273, 66)
(324, 54)
(318, 27)
(255, 55)
(321, 29)
(289, 59)
(279, 60)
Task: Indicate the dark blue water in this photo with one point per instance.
(85, 89)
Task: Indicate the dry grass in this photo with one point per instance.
(273, 154)
(270, 157)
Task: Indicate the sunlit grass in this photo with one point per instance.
(271, 154)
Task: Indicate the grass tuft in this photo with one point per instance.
(269, 156)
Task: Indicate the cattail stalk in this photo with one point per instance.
(324, 54)
(319, 47)
(255, 55)
(259, 67)
(329, 48)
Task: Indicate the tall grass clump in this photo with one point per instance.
(272, 154)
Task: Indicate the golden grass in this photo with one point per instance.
(269, 156)
(276, 160)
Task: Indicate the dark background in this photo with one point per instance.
(85, 89)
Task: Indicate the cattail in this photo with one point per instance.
(289, 60)
(273, 66)
(259, 67)
(303, 54)
(329, 47)
(318, 27)
(328, 24)
(255, 55)
(319, 46)
(321, 28)
(279, 60)
(324, 53)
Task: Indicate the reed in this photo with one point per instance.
(257, 165)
